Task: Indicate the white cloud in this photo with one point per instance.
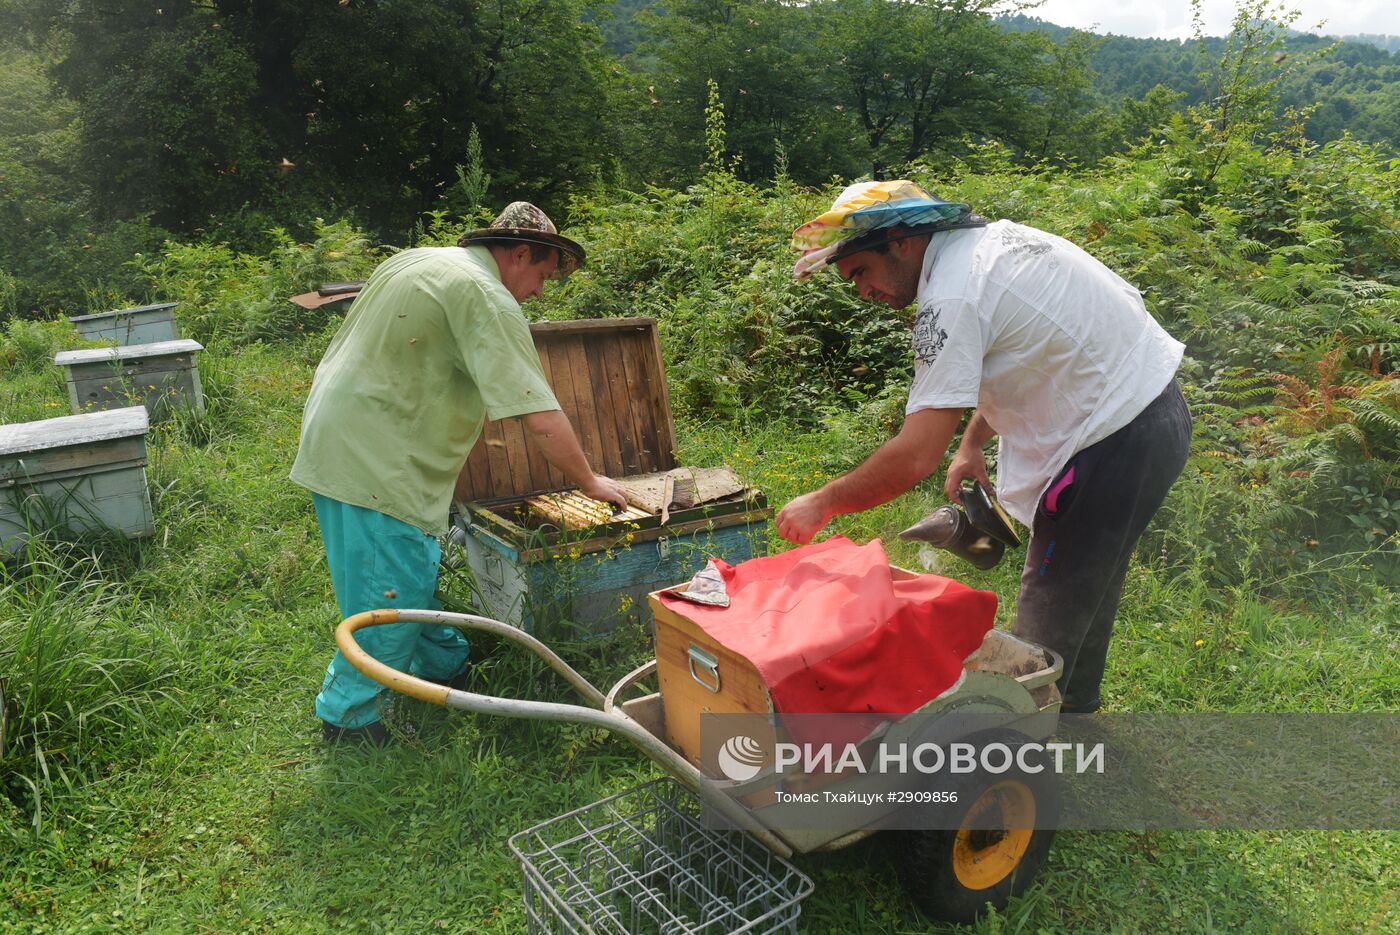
(1173, 20)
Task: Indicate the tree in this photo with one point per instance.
(298, 108)
(1064, 99)
(920, 74)
(772, 88)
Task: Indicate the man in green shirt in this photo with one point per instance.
(434, 346)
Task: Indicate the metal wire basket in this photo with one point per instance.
(641, 862)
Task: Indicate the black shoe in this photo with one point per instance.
(374, 733)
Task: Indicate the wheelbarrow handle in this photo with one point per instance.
(432, 693)
(606, 713)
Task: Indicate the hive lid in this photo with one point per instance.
(122, 311)
(107, 425)
(610, 381)
(126, 352)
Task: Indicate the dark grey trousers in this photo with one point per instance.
(1082, 540)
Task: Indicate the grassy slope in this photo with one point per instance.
(213, 805)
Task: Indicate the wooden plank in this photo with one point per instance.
(135, 380)
(590, 435)
(130, 327)
(497, 461)
(562, 381)
(155, 390)
(474, 480)
(83, 429)
(552, 477)
(128, 353)
(73, 459)
(513, 432)
(135, 310)
(600, 402)
(656, 378)
(505, 533)
(619, 405)
(589, 324)
(525, 456)
(644, 411)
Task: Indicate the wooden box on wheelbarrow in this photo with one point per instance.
(610, 381)
(699, 675)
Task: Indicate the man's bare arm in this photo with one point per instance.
(555, 437)
(969, 461)
(894, 468)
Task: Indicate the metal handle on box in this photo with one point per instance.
(492, 568)
(708, 662)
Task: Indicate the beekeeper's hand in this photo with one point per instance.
(606, 489)
(969, 463)
(804, 517)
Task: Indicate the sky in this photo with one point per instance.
(1171, 19)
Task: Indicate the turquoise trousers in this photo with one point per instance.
(377, 561)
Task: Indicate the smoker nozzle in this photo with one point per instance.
(949, 528)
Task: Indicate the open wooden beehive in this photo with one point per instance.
(546, 557)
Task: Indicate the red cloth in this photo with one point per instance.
(831, 631)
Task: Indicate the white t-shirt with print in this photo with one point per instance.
(1054, 348)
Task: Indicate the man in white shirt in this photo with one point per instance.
(1061, 360)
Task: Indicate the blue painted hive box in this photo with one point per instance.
(82, 474)
(145, 324)
(552, 562)
(159, 376)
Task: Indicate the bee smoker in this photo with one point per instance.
(980, 535)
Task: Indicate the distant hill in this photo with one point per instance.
(1356, 87)
(1388, 43)
(1022, 23)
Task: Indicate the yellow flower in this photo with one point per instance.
(1200, 643)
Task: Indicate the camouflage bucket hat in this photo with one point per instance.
(522, 222)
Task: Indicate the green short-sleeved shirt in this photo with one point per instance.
(432, 347)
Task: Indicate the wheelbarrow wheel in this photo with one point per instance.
(993, 854)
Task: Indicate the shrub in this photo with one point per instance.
(224, 294)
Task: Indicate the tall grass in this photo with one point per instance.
(83, 680)
(163, 766)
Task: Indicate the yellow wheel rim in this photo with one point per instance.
(994, 835)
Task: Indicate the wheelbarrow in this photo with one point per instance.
(575, 878)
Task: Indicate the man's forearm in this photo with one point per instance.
(896, 466)
(555, 437)
(978, 432)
